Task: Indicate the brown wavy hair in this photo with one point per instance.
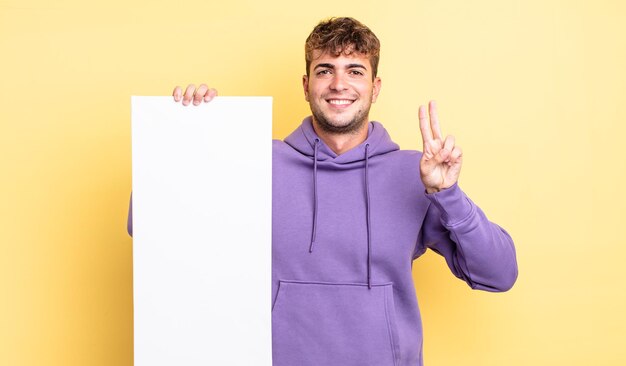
(342, 35)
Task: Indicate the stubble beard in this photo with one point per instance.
(329, 126)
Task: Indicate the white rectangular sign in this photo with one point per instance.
(202, 205)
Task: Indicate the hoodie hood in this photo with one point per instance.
(303, 139)
(307, 142)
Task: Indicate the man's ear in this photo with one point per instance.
(305, 86)
(376, 89)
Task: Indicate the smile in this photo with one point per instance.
(340, 101)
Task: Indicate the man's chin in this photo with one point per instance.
(335, 126)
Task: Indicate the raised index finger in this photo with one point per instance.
(427, 134)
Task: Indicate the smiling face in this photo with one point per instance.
(340, 90)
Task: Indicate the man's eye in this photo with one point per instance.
(323, 72)
(356, 72)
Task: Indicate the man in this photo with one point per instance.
(351, 212)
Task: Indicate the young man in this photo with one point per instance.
(351, 212)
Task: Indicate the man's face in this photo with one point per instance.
(340, 91)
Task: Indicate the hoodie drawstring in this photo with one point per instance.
(314, 195)
(369, 223)
(367, 210)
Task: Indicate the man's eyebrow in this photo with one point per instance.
(328, 66)
(352, 66)
(331, 66)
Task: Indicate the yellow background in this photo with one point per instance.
(533, 90)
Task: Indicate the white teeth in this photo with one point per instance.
(339, 101)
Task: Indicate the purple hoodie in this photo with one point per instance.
(345, 231)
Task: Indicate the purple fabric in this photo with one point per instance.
(323, 311)
(345, 231)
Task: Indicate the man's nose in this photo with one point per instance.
(338, 82)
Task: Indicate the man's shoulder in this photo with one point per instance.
(282, 150)
(280, 146)
(403, 155)
(276, 143)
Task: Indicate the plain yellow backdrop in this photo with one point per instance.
(534, 92)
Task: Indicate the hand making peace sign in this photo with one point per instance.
(441, 162)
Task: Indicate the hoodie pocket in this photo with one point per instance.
(334, 324)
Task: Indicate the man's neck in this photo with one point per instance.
(340, 143)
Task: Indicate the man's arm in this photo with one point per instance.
(129, 222)
(476, 250)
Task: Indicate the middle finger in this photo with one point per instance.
(434, 120)
(188, 94)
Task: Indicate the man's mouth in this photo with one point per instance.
(340, 102)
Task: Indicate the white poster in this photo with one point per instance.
(202, 205)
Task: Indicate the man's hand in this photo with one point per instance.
(441, 162)
(203, 93)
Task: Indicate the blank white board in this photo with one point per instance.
(202, 205)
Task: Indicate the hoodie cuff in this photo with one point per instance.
(454, 205)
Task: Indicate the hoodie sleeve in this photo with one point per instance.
(129, 222)
(477, 251)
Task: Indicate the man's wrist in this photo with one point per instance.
(431, 190)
